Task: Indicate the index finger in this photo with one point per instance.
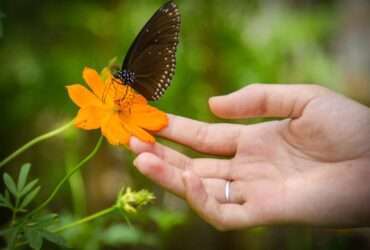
(204, 137)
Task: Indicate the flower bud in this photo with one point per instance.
(130, 201)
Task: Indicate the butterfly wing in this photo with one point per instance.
(152, 56)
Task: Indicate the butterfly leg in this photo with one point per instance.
(127, 97)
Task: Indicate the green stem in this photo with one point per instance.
(86, 219)
(14, 214)
(76, 184)
(35, 141)
(69, 174)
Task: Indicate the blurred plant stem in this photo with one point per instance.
(76, 184)
(86, 219)
(35, 141)
(69, 174)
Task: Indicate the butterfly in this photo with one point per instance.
(150, 62)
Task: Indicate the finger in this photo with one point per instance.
(213, 168)
(160, 172)
(222, 216)
(265, 100)
(208, 138)
(167, 154)
(204, 167)
(216, 188)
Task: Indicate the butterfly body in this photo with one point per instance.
(151, 60)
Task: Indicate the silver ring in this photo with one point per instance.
(227, 191)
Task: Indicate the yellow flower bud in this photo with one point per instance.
(130, 201)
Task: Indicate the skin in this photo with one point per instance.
(313, 167)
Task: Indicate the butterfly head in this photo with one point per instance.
(126, 76)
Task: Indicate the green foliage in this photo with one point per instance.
(27, 229)
(120, 234)
(23, 193)
(32, 230)
(167, 220)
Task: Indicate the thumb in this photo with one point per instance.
(265, 100)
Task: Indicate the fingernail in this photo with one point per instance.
(212, 99)
(136, 161)
(138, 146)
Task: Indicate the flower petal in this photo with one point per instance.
(137, 131)
(148, 117)
(81, 96)
(94, 81)
(139, 99)
(90, 117)
(113, 130)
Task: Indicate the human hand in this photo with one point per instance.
(311, 168)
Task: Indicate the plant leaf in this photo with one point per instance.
(33, 237)
(4, 202)
(10, 184)
(7, 198)
(45, 220)
(12, 239)
(28, 187)
(54, 238)
(29, 197)
(22, 178)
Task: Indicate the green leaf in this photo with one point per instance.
(33, 237)
(54, 238)
(22, 178)
(28, 187)
(12, 239)
(7, 196)
(4, 202)
(10, 184)
(45, 220)
(5, 205)
(29, 197)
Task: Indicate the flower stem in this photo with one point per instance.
(69, 174)
(76, 183)
(86, 219)
(35, 141)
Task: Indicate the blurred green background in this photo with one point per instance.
(224, 46)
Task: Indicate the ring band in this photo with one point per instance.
(227, 191)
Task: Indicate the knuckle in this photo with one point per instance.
(201, 136)
(230, 174)
(187, 163)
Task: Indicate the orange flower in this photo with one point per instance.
(114, 108)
